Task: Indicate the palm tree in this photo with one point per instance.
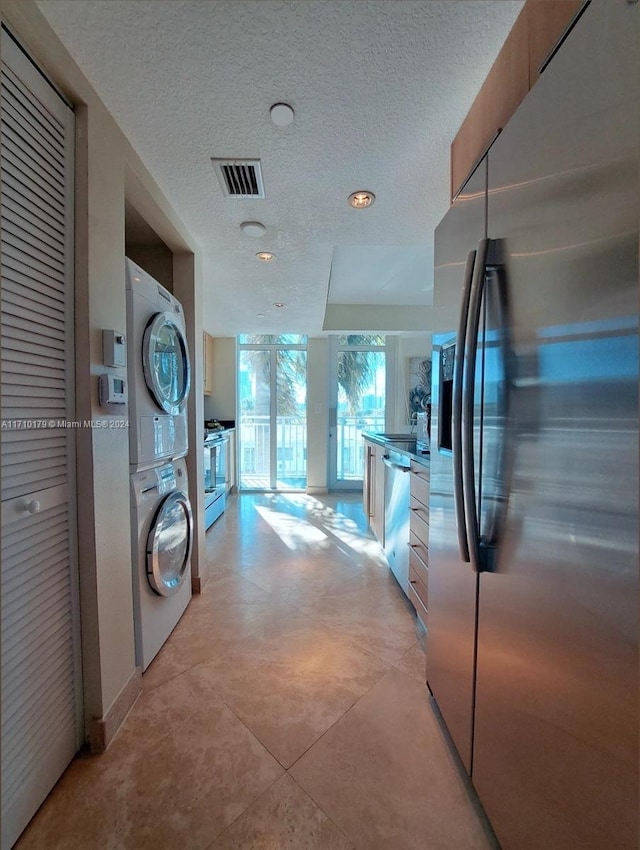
(291, 373)
(356, 369)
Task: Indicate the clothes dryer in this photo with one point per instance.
(162, 539)
(158, 370)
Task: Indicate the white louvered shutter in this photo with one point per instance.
(40, 648)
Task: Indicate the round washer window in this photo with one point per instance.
(169, 544)
(165, 361)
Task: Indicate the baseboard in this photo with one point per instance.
(103, 731)
(317, 491)
(196, 584)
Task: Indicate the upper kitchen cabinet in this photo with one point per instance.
(207, 360)
(548, 23)
(537, 32)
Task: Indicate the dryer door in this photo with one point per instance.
(165, 361)
(169, 544)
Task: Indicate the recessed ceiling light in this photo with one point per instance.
(252, 228)
(279, 304)
(259, 315)
(265, 256)
(281, 114)
(361, 199)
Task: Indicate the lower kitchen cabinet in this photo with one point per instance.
(373, 488)
(419, 538)
(377, 524)
(415, 532)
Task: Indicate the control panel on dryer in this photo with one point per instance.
(166, 479)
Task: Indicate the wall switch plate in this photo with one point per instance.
(114, 348)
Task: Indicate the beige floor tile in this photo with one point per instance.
(288, 651)
(167, 664)
(292, 684)
(302, 580)
(386, 778)
(233, 610)
(413, 662)
(284, 817)
(378, 619)
(181, 770)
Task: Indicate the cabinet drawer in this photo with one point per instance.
(418, 586)
(418, 562)
(419, 555)
(420, 610)
(420, 484)
(420, 488)
(419, 520)
(418, 596)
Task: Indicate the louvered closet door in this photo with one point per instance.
(40, 669)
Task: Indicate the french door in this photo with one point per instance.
(272, 391)
(357, 403)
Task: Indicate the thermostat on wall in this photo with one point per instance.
(112, 390)
(114, 348)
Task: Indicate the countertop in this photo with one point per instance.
(216, 432)
(403, 443)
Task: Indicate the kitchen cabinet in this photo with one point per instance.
(373, 488)
(367, 481)
(548, 21)
(536, 33)
(419, 538)
(404, 539)
(505, 87)
(207, 363)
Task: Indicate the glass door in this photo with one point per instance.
(357, 404)
(272, 389)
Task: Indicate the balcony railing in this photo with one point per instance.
(255, 451)
(350, 446)
(291, 448)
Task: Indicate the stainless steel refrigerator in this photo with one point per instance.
(532, 644)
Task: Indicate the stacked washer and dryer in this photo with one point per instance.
(161, 518)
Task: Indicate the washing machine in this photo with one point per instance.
(162, 539)
(158, 370)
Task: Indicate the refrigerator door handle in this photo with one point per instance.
(468, 387)
(493, 530)
(458, 371)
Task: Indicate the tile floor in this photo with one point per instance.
(287, 710)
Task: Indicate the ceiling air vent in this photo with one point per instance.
(239, 178)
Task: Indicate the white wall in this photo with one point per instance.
(107, 169)
(317, 414)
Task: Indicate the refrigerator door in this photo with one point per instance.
(556, 722)
(451, 620)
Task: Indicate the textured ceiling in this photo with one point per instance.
(379, 90)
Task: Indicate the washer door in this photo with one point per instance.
(169, 544)
(165, 362)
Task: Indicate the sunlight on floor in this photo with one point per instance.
(296, 534)
(327, 526)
